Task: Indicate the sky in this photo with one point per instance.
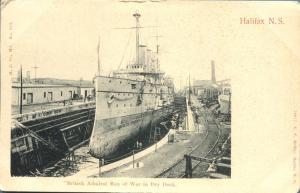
(60, 37)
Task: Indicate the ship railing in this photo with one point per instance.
(50, 112)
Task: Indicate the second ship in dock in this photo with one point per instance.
(131, 101)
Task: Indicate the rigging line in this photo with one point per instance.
(131, 55)
(130, 35)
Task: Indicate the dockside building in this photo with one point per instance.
(42, 93)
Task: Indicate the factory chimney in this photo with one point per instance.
(213, 75)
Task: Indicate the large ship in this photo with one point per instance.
(130, 101)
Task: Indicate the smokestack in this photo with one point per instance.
(213, 75)
(28, 76)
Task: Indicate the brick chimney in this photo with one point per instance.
(213, 75)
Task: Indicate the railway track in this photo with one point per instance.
(204, 149)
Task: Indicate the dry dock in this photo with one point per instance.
(203, 139)
(200, 138)
(155, 163)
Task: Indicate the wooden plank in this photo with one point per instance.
(78, 145)
(77, 124)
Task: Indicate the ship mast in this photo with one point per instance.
(157, 52)
(137, 16)
(98, 49)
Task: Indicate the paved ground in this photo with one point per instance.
(154, 163)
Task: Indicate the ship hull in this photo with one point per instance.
(124, 109)
(103, 144)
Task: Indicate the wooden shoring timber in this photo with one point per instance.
(78, 145)
(39, 138)
(60, 124)
(65, 140)
(72, 148)
(77, 124)
(87, 124)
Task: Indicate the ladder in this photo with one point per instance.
(154, 133)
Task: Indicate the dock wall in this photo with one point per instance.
(51, 112)
(94, 170)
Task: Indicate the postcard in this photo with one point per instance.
(150, 96)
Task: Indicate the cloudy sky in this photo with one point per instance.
(60, 37)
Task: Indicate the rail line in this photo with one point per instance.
(177, 170)
(196, 163)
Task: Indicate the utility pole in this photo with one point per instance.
(133, 158)
(188, 166)
(35, 69)
(21, 91)
(229, 107)
(189, 102)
